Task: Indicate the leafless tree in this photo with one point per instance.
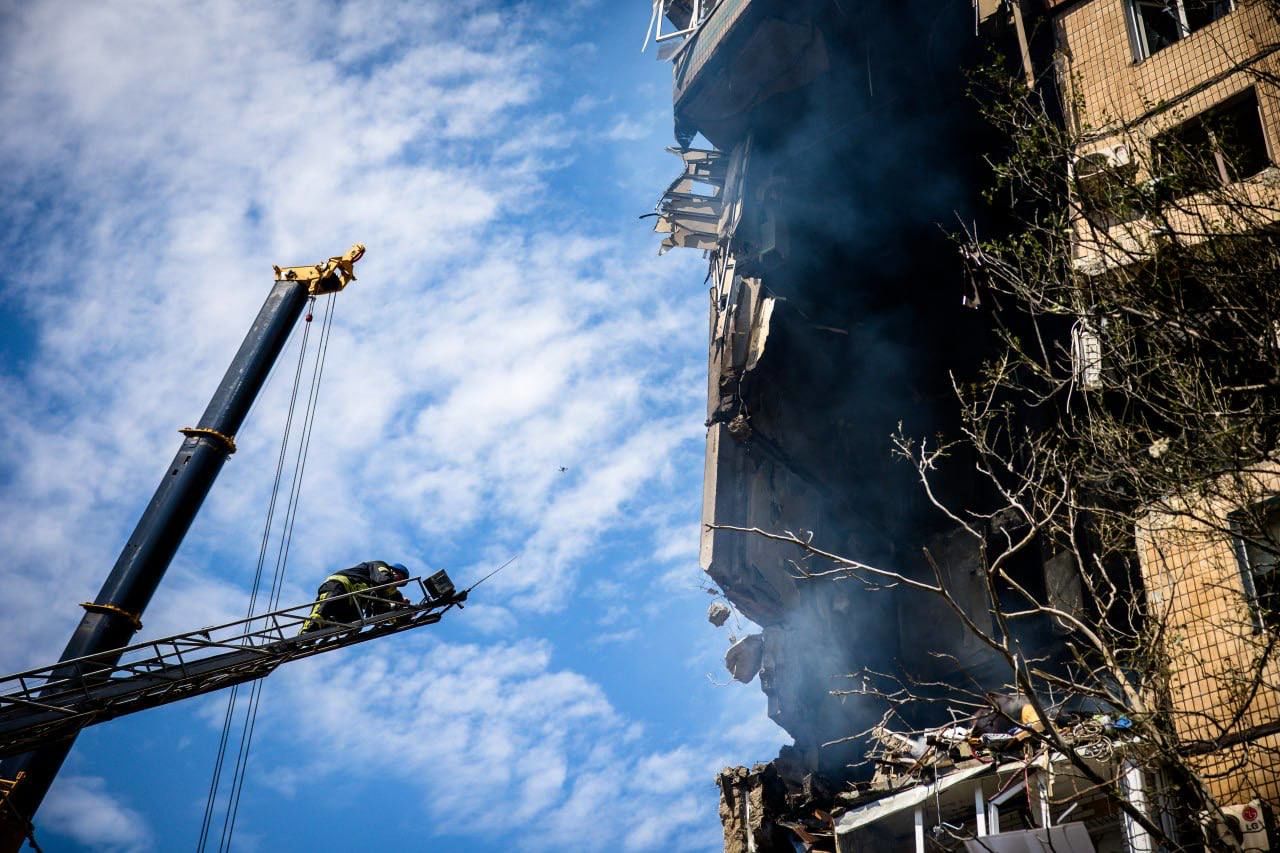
(1125, 429)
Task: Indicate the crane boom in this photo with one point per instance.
(52, 702)
(115, 615)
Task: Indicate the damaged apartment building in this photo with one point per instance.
(828, 151)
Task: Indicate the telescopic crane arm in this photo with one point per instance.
(112, 619)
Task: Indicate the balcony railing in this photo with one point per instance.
(702, 44)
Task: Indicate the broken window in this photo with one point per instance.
(1222, 145)
(1257, 541)
(685, 15)
(1156, 24)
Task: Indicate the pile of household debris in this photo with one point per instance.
(782, 806)
(1008, 730)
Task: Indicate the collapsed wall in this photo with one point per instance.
(843, 148)
(841, 140)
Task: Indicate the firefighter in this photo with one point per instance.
(374, 573)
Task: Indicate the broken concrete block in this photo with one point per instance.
(744, 658)
(718, 613)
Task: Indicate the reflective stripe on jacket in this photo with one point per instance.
(348, 583)
(369, 574)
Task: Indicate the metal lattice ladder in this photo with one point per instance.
(52, 702)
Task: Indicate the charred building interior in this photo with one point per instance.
(830, 152)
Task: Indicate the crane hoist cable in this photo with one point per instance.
(302, 446)
(228, 717)
(282, 559)
(295, 491)
(216, 778)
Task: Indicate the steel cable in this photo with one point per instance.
(282, 559)
(232, 699)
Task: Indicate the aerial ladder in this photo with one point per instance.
(55, 701)
(100, 676)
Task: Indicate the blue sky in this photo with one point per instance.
(511, 317)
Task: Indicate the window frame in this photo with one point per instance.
(1239, 545)
(1221, 166)
(1138, 33)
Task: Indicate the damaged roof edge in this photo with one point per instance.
(874, 811)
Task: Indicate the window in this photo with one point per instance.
(1156, 24)
(1223, 144)
(1257, 541)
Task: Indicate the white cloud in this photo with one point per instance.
(169, 153)
(667, 773)
(490, 619)
(471, 360)
(545, 746)
(80, 808)
(499, 737)
(679, 544)
(616, 638)
(680, 826)
(627, 129)
(613, 614)
(590, 102)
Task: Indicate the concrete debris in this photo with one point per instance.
(718, 613)
(744, 658)
(1008, 727)
(740, 428)
(783, 806)
(748, 798)
(689, 211)
(777, 807)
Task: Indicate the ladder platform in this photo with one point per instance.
(53, 702)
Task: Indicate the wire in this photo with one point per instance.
(282, 559)
(262, 551)
(233, 695)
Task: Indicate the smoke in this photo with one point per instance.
(852, 186)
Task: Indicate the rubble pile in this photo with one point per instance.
(783, 806)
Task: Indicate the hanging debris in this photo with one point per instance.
(745, 657)
(718, 613)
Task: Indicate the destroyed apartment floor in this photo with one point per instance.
(781, 806)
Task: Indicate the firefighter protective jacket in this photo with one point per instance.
(369, 574)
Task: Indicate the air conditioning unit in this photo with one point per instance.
(1097, 162)
(1246, 827)
(1118, 155)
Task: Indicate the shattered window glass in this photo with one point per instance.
(1201, 13)
(1159, 23)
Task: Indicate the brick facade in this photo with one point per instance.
(1223, 673)
(1112, 97)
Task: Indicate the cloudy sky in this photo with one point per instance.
(511, 319)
